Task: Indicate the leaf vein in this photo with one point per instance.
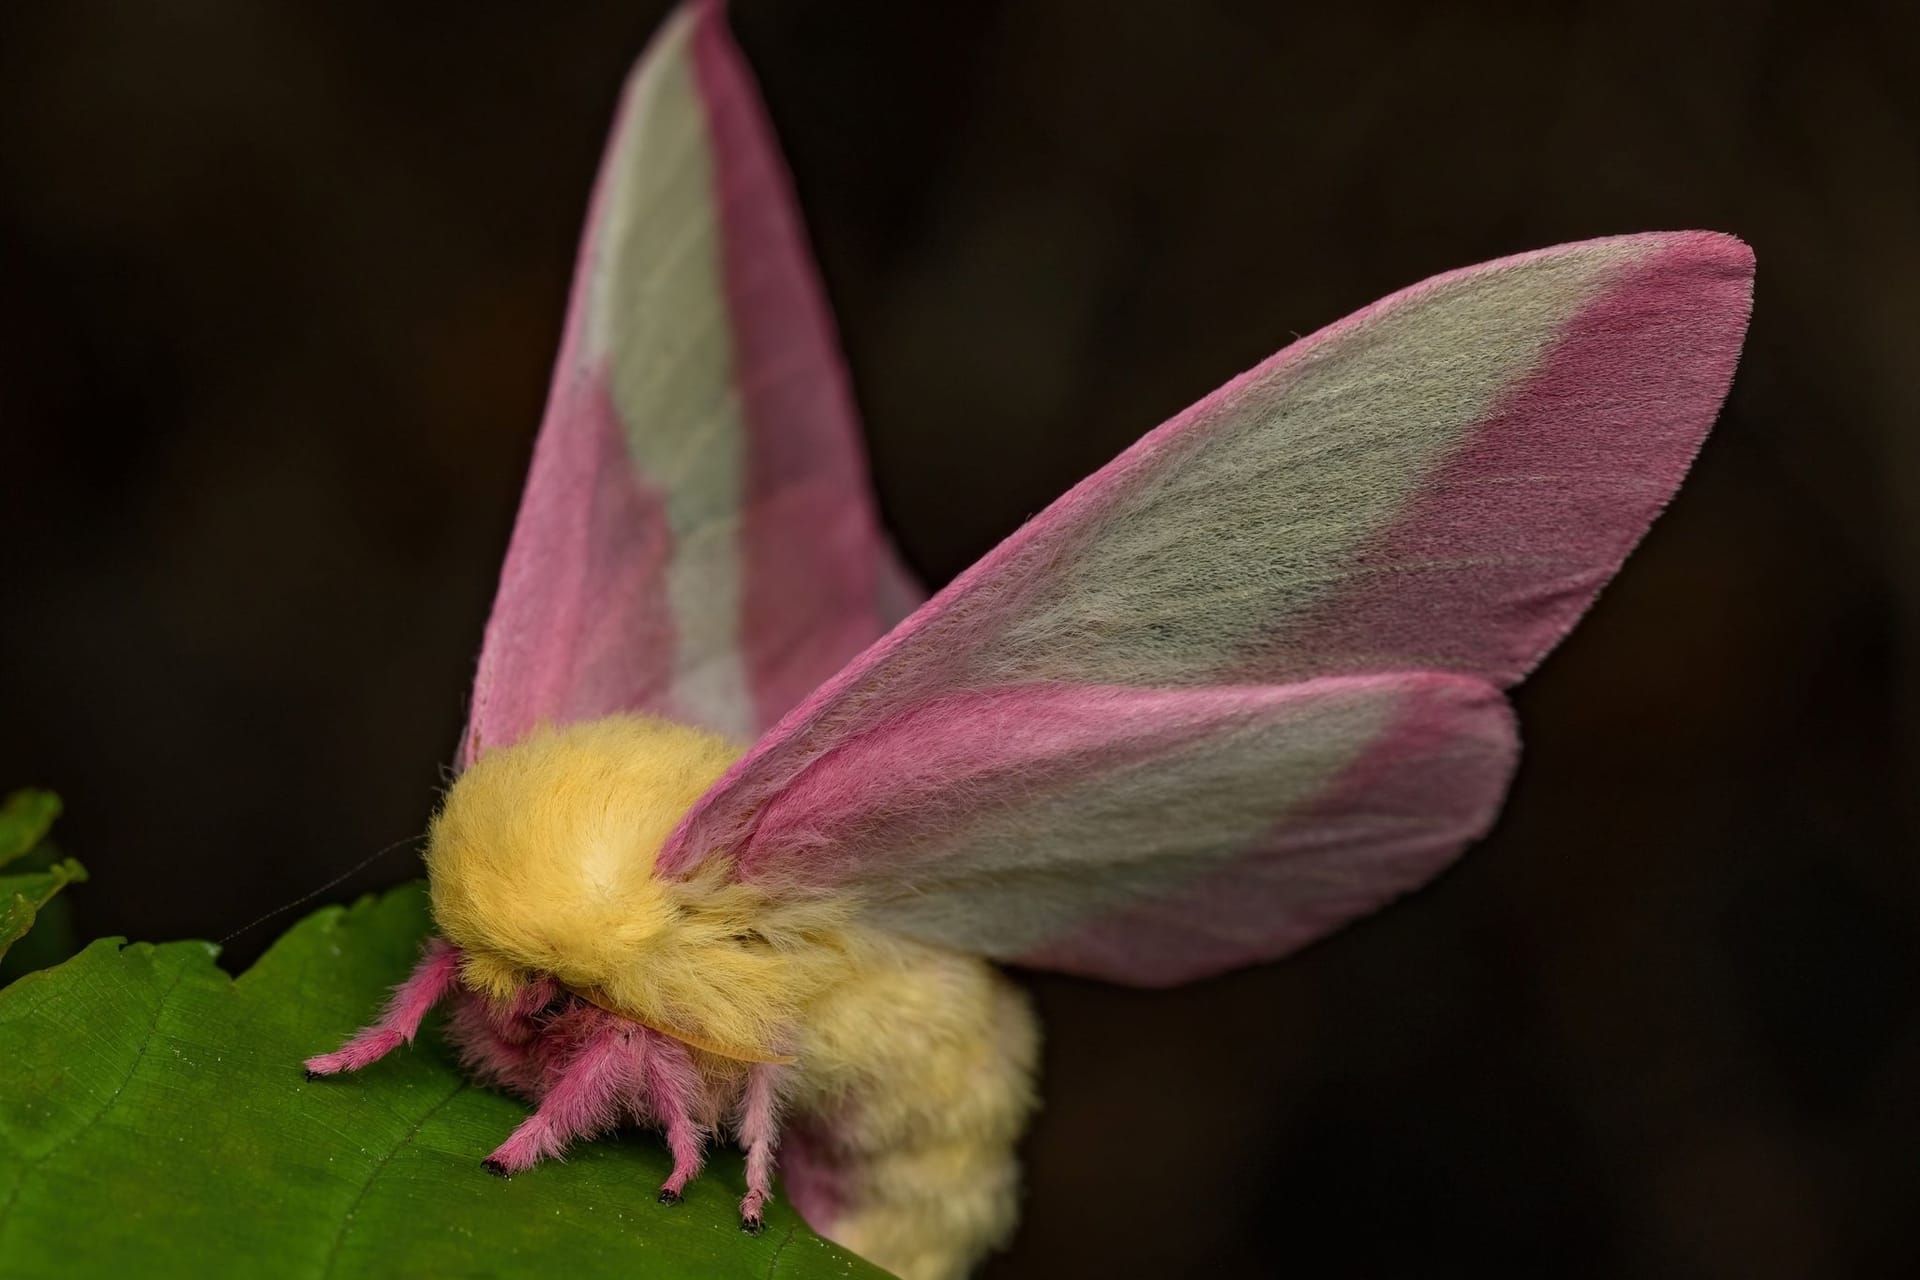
(373, 1176)
(773, 1263)
(146, 1041)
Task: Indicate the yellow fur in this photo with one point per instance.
(914, 1064)
(920, 1067)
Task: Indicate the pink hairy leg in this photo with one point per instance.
(497, 1038)
(431, 979)
(672, 1088)
(759, 1133)
(514, 1018)
(582, 1099)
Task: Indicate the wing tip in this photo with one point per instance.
(1718, 267)
(1708, 261)
(1721, 251)
(1708, 275)
(709, 20)
(1717, 249)
(690, 26)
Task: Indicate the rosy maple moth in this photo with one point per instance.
(1235, 689)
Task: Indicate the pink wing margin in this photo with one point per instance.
(697, 537)
(1422, 498)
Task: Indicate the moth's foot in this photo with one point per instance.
(432, 980)
(669, 1196)
(311, 1074)
(752, 1213)
(753, 1226)
(522, 1150)
(363, 1050)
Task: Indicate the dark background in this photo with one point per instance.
(280, 288)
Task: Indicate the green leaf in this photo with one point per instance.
(25, 818)
(50, 940)
(22, 897)
(154, 1122)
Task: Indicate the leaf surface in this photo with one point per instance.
(22, 897)
(25, 819)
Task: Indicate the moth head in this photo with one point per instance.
(542, 860)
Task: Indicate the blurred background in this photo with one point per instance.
(281, 287)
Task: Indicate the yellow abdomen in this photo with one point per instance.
(916, 1078)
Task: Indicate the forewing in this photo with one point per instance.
(1440, 483)
(697, 538)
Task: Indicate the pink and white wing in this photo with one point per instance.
(1147, 835)
(1243, 683)
(698, 537)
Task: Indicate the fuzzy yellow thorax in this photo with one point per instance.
(541, 861)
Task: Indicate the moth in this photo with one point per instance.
(742, 825)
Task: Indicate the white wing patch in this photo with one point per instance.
(658, 297)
